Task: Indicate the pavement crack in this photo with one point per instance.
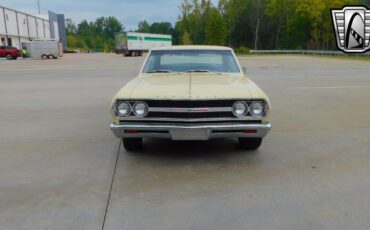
(111, 185)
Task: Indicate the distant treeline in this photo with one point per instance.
(242, 24)
(96, 35)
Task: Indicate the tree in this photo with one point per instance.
(70, 26)
(185, 40)
(278, 11)
(97, 35)
(193, 21)
(112, 26)
(215, 28)
(232, 11)
(364, 2)
(143, 27)
(83, 28)
(262, 24)
(256, 6)
(184, 23)
(71, 40)
(161, 28)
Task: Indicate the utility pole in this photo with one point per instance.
(38, 6)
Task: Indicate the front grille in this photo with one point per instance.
(190, 115)
(190, 103)
(214, 109)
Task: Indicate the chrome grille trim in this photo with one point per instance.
(123, 119)
(190, 110)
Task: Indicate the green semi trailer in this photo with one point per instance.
(134, 44)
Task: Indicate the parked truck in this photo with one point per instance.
(134, 44)
(45, 49)
(10, 53)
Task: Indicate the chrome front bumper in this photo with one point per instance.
(191, 131)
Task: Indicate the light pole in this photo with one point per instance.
(38, 6)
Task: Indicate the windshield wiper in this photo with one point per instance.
(160, 71)
(198, 71)
(204, 71)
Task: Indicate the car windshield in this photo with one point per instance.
(166, 61)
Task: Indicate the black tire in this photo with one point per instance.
(140, 53)
(9, 57)
(132, 144)
(44, 56)
(125, 53)
(250, 143)
(51, 56)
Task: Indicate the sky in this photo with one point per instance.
(129, 12)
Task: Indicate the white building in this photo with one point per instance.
(17, 27)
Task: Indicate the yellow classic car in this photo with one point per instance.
(191, 93)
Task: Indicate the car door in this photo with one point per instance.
(2, 51)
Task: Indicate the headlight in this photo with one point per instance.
(240, 109)
(123, 109)
(257, 109)
(141, 109)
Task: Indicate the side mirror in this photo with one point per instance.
(244, 69)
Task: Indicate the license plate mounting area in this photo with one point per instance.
(189, 134)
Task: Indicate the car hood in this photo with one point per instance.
(190, 86)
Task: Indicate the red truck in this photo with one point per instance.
(10, 52)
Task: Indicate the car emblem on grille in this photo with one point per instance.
(352, 28)
(190, 110)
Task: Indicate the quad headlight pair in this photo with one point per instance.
(124, 109)
(256, 109)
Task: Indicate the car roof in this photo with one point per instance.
(192, 47)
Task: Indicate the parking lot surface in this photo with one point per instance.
(62, 168)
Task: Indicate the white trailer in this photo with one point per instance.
(44, 49)
(137, 43)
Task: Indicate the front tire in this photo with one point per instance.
(132, 144)
(250, 143)
(9, 57)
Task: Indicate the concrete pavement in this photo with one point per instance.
(58, 157)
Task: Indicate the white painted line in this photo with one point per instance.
(333, 87)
